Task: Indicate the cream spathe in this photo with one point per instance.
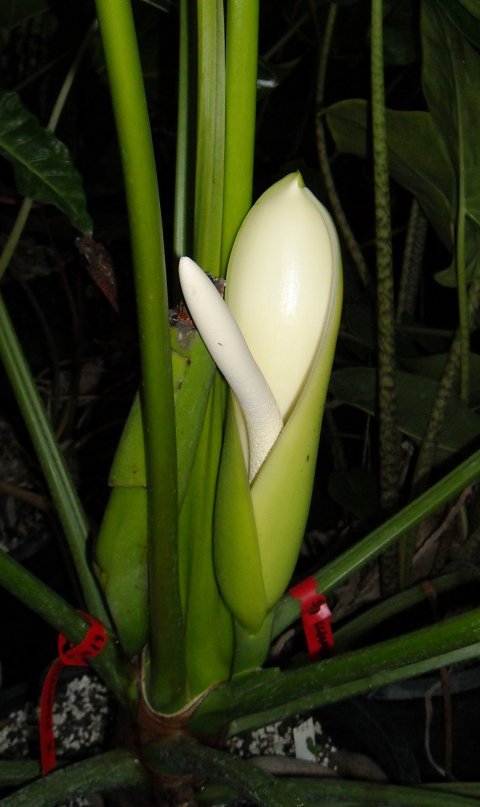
(284, 300)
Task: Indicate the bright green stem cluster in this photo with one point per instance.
(264, 696)
(166, 648)
(182, 593)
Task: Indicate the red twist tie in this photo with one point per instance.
(73, 656)
(315, 618)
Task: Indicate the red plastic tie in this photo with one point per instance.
(73, 656)
(315, 617)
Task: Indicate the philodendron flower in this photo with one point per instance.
(273, 340)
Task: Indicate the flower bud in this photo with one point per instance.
(284, 298)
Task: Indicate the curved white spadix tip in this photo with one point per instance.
(228, 349)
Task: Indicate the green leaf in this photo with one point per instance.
(14, 12)
(417, 155)
(208, 623)
(448, 277)
(451, 85)
(42, 165)
(399, 43)
(121, 565)
(433, 366)
(357, 386)
(472, 6)
(237, 556)
(465, 16)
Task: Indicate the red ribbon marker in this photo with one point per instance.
(76, 656)
(315, 617)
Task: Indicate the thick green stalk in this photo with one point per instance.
(264, 695)
(366, 550)
(14, 774)
(458, 788)
(240, 103)
(250, 784)
(388, 430)
(356, 628)
(15, 234)
(210, 136)
(184, 169)
(62, 490)
(412, 263)
(166, 680)
(364, 794)
(104, 773)
(344, 793)
(360, 685)
(63, 618)
(389, 437)
(324, 792)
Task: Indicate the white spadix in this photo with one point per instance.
(230, 352)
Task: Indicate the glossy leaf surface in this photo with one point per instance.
(43, 168)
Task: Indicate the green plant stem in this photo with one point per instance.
(104, 773)
(184, 169)
(250, 784)
(61, 487)
(366, 550)
(166, 680)
(210, 136)
(323, 159)
(67, 503)
(342, 793)
(64, 619)
(263, 696)
(70, 78)
(50, 344)
(368, 793)
(459, 788)
(240, 107)
(356, 628)
(388, 430)
(389, 437)
(15, 234)
(64, 495)
(14, 774)
(412, 263)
